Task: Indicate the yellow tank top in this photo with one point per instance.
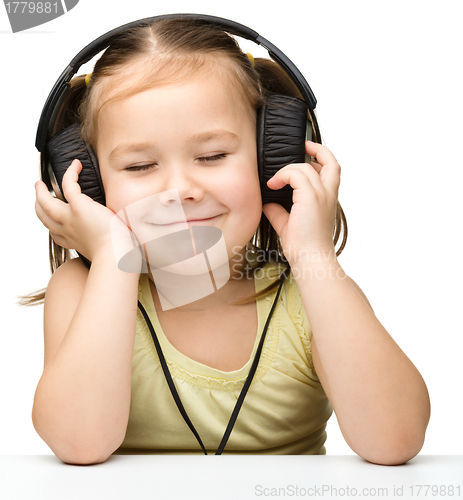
(285, 410)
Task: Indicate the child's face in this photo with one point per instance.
(173, 130)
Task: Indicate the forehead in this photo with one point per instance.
(187, 108)
(145, 74)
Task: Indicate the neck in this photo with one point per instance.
(202, 293)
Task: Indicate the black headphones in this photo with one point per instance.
(282, 124)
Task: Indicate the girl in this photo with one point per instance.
(170, 112)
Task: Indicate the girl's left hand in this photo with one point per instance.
(309, 227)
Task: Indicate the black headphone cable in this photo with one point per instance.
(246, 385)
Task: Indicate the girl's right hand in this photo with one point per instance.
(81, 224)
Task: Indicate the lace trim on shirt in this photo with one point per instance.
(266, 357)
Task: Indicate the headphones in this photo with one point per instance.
(282, 121)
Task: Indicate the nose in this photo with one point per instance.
(180, 185)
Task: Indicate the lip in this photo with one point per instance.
(192, 221)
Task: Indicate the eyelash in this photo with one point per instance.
(140, 167)
(217, 157)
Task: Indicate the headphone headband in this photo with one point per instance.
(91, 50)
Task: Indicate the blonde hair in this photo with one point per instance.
(167, 51)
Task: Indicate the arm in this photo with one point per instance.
(82, 401)
(379, 397)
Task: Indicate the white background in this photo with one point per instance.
(388, 79)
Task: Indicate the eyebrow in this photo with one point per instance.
(202, 138)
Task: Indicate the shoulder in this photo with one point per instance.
(70, 276)
(68, 279)
(66, 282)
(75, 264)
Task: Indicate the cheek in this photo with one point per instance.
(246, 189)
(120, 195)
(243, 195)
(249, 197)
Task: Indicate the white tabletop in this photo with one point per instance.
(140, 477)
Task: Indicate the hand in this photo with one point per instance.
(82, 223)
(310, 225)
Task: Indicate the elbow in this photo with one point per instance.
(393, 455)
(388, 446)
(402, 443)
(395, 451)
(392, 442)
(83, 458)
(82, 455)
(89, 455)
(73, 454)
(75, 451)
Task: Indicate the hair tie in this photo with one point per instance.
(251, 59)
(87, 79)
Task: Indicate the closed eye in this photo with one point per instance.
(137, 168)
(217, 157)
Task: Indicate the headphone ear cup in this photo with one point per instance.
(281, 134)
(68, 145)
(62, 149)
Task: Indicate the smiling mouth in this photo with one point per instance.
(193, 221)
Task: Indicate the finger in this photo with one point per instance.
(297, 175)
(330, 170)
(70, 185)
(316, 166)
(330, 181)
(49, 209)
(46, 220)
(321, 153)
(331, 177)
(276, 215)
